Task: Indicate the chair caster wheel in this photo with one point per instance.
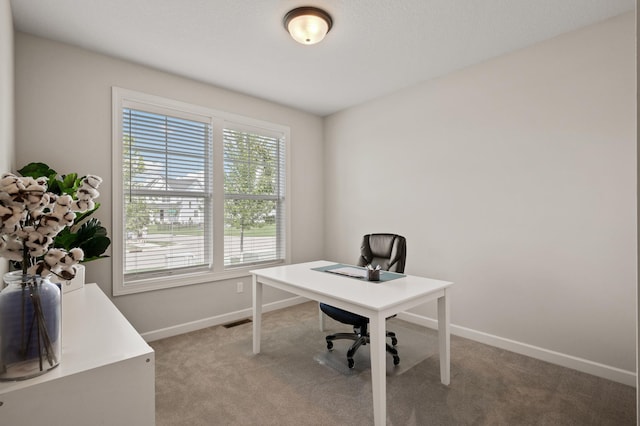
(350, 363)
(396, 360)
(394, 341)
(329, 345)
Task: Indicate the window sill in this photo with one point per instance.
(164, 282)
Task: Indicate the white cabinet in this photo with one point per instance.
(106, 375)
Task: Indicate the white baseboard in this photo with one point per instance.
(564, 360)
(175, 330)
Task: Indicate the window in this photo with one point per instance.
(202, 194)
(252, 196)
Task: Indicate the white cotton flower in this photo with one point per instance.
(33, 202)
(40, 268)
(10, 184)
(68, 218)
(12, 250)
(77, 254)
(64, 201)
(47, 198)
(30, 217)
(49, 221)
(5, 198)
(11, 222)
(19, 212)
(34, 196)
(53, 257)
(37, 250)
(86, 193)
(59, 210)
(62, 263)
(67, 272)
(49, 231)
(4, 211)
(21, 234)
(92, 181)
(9, 229)
(38, 244)
(7, 178)
(34, 187)
(27, 180)
(69, 259)
(13, 245)
(83, 205)
(10, 255)
(37, 214)
(14, 218)
(61, 218)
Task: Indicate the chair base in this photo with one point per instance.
(360, 340)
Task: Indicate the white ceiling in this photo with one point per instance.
(375, 47)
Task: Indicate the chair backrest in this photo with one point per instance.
(387, 250)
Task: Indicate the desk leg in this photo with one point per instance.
(377, 331)
(257, 314)
(444, 337)
(321, 318)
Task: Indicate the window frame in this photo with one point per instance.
(247, 131)
(125, 98)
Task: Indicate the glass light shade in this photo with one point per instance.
(308, 29)
(308, 25)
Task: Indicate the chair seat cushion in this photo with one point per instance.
(343, 316)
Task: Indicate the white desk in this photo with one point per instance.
(106, 375)
(376, 301)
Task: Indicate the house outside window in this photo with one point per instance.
(202, 193)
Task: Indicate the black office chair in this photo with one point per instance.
(390, 252)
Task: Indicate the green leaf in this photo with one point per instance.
(36, 170)
(91, 237)
(82, 216)
(65, 239)
(89, 229)
(54, 185)
(70, 183)
(94, 247)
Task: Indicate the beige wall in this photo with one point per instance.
(63, 110)
(6, 94)
(516, 179)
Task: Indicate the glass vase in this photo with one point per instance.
(30, 326)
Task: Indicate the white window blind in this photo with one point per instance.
(199, 195)
(254, 179)
(167, 193)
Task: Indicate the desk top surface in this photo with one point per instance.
(368, 294)
(94, 334)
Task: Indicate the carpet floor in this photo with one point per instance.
(211, 377)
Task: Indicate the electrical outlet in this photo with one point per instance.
(240, 287)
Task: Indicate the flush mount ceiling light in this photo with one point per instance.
(307, 25)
